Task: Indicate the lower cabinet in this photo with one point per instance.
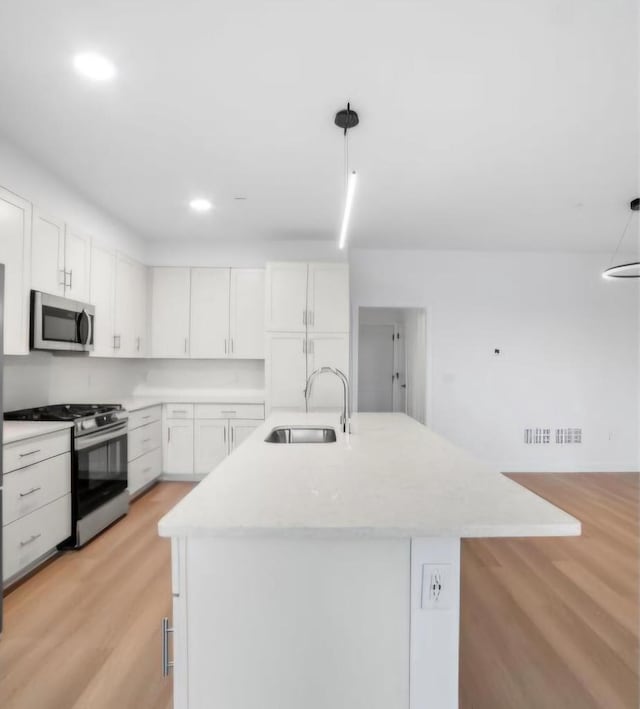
(196, 438)
(144, 448)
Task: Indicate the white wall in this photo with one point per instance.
(569, 342)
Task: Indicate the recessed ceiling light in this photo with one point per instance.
(94, 66)
(200, 205)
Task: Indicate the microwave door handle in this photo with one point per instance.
(81, 340)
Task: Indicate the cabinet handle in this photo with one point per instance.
(148, 416)
(71, 279)
(186, 341)
(147, 470)
(180, 411)
(30, 492)
(137, 344)
(146, 440)
(232, 345)
(33, 452)
(32, 538)
(116, 342)
(233, 437)
(228, 412)
(224, 434)
(166, 663)
(169, 434)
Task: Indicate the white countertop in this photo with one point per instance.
(153, 397)
(13, 431)
(393, 477)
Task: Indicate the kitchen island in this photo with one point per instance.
(326, 576)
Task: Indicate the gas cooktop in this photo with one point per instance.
(61, 412)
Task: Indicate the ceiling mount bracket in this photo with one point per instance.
(346, 118)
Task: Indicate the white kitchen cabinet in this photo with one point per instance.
(144, 450)
(328, 297)
(77, 264)
(210, 313)
(211, 444)
(47, 254)
(246, 313)
(15, 254)
(327, 350)
(286, 297)
(170, 312)
(177, 447)
(127, 339)
(141, 309)
(102, 297)
(240, 430)
(286, 369)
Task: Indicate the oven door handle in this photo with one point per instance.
(91, 439)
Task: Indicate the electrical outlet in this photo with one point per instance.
(437, 586)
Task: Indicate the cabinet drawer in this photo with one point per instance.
(144, 469)
(144, 439)
(178, 411)
(32, 450)
(35, 534)
(230, 411)
(144, 416)
(29, 488)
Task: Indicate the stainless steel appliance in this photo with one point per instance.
(60, 323)
(99, 463)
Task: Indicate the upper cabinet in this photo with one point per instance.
(15, 254)
(222, 311)
(61, 258)
(170, 311)
(102, 297)
(303, 297)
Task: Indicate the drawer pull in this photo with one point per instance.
(147, 470)
(33, 452)
(179, 411)
(146, 440)
(30, 492)
(32, 538)
(228, 412)
(148, 416)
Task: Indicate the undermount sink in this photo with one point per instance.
(301, 434)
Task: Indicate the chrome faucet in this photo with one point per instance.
(345, 418)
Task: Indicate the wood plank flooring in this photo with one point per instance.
(84, 633)
(546, 623)
(553, 623)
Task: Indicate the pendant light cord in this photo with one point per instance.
(624, 233)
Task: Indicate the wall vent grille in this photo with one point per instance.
(565, 436)
(537, 436)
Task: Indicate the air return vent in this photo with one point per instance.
(537, 435)
(564, 436)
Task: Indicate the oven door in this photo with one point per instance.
(60, 324)
(100, 468)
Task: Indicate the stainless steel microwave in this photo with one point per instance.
(60, 323)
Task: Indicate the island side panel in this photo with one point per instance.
(435, 623)
(276, 623)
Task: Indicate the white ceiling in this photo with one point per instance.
(484, 123)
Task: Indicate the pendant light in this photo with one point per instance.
(625, 270)
(347, 119)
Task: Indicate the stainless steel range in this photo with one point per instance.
(99, 463)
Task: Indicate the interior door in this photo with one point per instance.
(375, 367)
(77, 259)
(47, 248)
(170, 312)
(211, 444)
(328, 299)
(103, 269)
(286, 370)
(210, 313)
(15, 242)
(246, 313)
(286, 297)
(328, 350)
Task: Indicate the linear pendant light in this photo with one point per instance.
(625, 270)
(346, 119)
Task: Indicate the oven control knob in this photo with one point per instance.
(87, 424)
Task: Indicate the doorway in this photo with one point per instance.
(392, 361)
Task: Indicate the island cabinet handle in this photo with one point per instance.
(166, 663)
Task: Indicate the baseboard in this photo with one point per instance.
(172, 478)
(612, 469)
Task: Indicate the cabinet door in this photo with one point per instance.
(246, 313)
(240, 430)
(285, 370)
(286, 297)
(15, 247)
(77, 263)
(211, 444)
(126, 305)
(170, 312)
(178, 447)
(140, 310)
(328, 351)
(103, 270)
(328, 300)
(47, 254)
(209, 312)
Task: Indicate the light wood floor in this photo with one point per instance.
(84, 633)
(546, 624)
(553, 623)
